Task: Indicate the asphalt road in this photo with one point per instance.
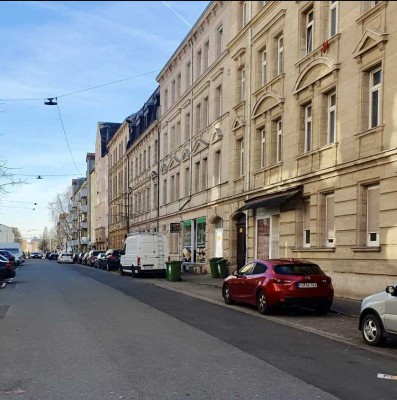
(74, 332)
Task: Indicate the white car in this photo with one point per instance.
(378, 317)
(65, 258)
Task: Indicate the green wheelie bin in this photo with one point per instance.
(214, 266)
(222, 268)
(173, 271)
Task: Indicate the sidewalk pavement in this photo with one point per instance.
(340, 305)
(341, 324)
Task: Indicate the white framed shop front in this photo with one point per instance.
(194, 240)
(267, 232)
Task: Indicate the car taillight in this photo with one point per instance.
(139, 260)
(280, 281)
(8, 266)
(327, 280)
(112, 258)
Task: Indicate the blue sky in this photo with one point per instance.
(49, 49)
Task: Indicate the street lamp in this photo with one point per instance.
(50, 101)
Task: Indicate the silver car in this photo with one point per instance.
(378, 317)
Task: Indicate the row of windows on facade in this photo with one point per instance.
(203, 56)
(268, 146)
(308, 45)
(368, 223)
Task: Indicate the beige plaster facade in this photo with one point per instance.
(301, 160)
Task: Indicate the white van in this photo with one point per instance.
(143, 253)
(15, 249)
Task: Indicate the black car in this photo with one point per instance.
(36, 254)
(47, 254)
(8, 255)
(53, 256)
(112, 260)
(80, 258)
(6, 268)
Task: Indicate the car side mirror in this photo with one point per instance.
(391, 290)
(235, 273)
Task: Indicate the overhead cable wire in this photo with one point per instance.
(67, 141)
(83, 90)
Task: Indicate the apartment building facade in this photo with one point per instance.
(133, 171)
(301, 160)
(105, 131)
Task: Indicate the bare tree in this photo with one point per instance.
(59, 213)
(7, 178)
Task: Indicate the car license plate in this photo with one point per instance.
(307, 285)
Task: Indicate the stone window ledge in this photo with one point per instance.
(367, 249)
(314, 249)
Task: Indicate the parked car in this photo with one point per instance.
(280, 282)
(6, 268)
(85, 258)
(100, 259)
(75, 257)
(36, 254)
(92, 256)
(65, 258)
(53, 256)
(47, 254)
(112, 262)
(80, 257)
(7, 254)
(378, 316)
(14, 248)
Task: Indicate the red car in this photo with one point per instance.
(271, 283)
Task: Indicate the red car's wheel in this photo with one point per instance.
(262, 304)
(227, 295)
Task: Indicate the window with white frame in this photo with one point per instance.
(309, 31)
(172, 188)
(187, 127)
(308, 128)
(306, 223)
(280, 55)
(217, 167)
(279, 140)
(206, 113)
(331, 138)
(240, 158)
(375, 97)
(333, 17)
(178, 85)
(206, 55)
(329, 220)
(372, 211)
(188, 79)
(198, 63)
(204, 174)
(242, 83)
(173, 92)
(263, 148)
(186, 181)
(198, 117)
(219, 40)
(164, 191)
(197, 177)
(263, 67)
(218, 101)
(165, 99)
(177, 186)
